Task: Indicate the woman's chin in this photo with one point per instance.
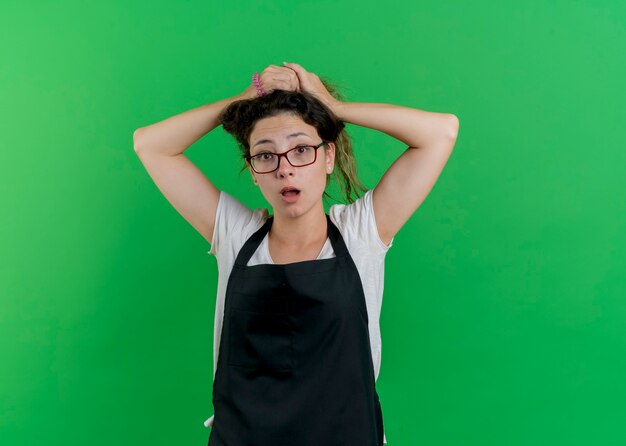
(290, 211)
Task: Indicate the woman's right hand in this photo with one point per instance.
(274, 78)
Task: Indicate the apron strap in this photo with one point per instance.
(255, 240)
(336, 240)
(253, 243)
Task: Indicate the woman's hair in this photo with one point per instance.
(239, 119)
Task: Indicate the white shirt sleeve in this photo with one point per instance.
(234, 224)
(358, 224)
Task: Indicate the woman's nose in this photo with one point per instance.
(284, 168)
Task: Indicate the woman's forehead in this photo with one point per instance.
(276, 129)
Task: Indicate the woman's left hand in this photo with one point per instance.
(311, 83)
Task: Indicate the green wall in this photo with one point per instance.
(504, 316)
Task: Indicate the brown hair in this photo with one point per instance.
(239, 119)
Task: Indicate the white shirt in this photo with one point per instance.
(235, 223)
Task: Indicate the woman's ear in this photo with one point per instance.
(330, 157)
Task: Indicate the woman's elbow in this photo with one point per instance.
(453, 126)
(136, 139)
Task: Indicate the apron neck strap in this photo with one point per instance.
(255, 240)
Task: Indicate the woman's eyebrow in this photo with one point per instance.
(263, 141)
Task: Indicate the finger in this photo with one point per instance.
(301, 74)
(293, 78)
(292, 74)
(287, 85)
(277, 68)
(295, 67)
(273, 69)
(275, 79)
(279, 73)
(299, 70)
(282, 83)
(287, 73)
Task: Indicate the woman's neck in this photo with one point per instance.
(305, 230)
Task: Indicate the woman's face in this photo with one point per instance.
(277, 134)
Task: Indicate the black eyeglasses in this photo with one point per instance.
(299, 156)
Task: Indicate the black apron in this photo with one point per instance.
(295, 365)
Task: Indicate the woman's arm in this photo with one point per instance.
(430, 138)
(160, 148)
(175, 134)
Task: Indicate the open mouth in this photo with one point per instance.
(289, 192)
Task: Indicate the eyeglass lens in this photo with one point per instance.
(299, 156)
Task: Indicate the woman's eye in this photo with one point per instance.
(266, 156)
(303, 149)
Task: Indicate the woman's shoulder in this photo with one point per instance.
(235, 222)
(357, 223)
(351, 213)
(234, 208)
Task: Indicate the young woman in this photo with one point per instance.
(297, 339)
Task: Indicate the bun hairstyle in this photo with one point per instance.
(240, 117)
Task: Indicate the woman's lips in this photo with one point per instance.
(290, 195)
(288, 188)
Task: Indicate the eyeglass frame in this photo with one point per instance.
(280, 155)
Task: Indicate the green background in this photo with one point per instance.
(504, 316)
